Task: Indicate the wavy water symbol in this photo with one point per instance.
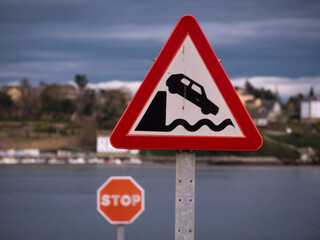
(199, 124)
(155, 117)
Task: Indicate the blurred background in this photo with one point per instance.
(68, 70)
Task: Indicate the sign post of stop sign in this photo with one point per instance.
(120, 200)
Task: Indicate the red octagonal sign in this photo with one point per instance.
(120, 200)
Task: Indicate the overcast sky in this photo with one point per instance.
(274, 42)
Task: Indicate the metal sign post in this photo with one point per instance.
(185, 193)
(120, 232)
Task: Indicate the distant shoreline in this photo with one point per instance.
(150, 160)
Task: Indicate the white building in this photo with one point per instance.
(104, 147)
(310, 110)
(269, 111)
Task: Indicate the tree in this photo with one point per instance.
(248, 87)
(67, 106)
(83, 94)
(5, 105)
(54, 103)
(50, 98)
(294, 106)
(81, 81)
(90, 102)
(260, 93)
(112, 105)
(311, 92)
(27, 101)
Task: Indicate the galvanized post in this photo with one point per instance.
(185, 194)
(120, 232)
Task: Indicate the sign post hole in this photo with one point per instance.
(185, 195)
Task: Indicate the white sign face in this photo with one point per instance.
(186, 101)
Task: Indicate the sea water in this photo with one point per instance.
(232, 202)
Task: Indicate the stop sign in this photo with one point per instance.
(120, 200)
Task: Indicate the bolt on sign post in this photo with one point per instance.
(186, 102)
(120, 200)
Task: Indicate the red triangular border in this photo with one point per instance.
(120, 137)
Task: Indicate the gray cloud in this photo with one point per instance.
(106, 40)
(221, 33)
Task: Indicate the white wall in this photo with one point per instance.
(104, 146)
(310, 109)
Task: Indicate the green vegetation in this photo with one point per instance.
(269, 148)
(301, 140)
(64, 113)
(53, 110)
(5, 104)
(260, 93)
(41, 128)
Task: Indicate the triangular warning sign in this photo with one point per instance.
(186, 101)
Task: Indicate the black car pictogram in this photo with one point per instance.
(192, 91)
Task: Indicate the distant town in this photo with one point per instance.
(71, 123)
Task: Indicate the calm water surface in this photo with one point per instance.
(236, 203)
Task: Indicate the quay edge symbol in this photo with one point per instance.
(186, 101)
(155, 117)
